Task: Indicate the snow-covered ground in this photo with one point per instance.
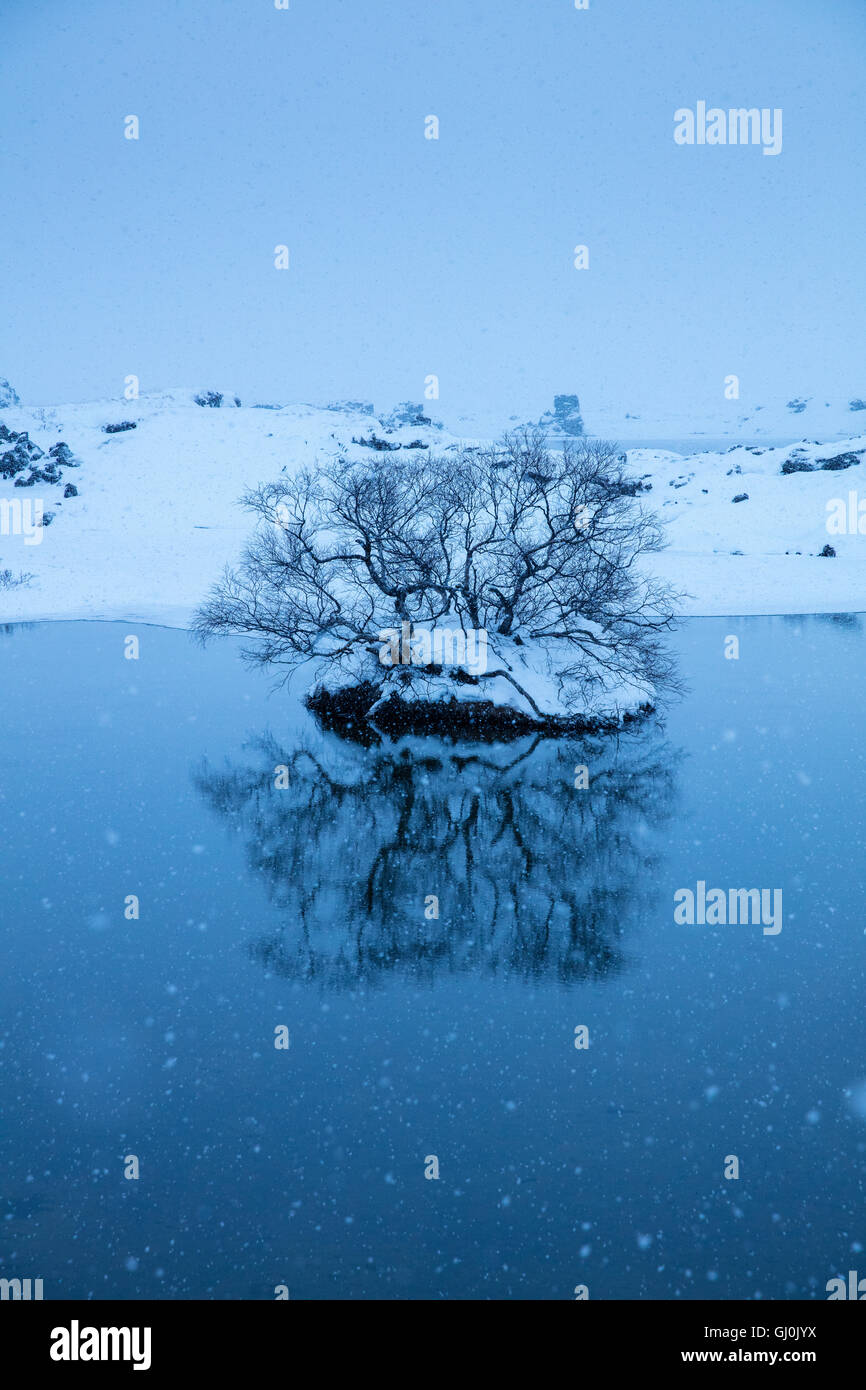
(713, 418)
(157, 515)
(811, 417)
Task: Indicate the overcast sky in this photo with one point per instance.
(409, 256)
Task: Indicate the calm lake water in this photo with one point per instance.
(413, 1036)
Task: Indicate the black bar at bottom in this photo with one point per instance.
(164, 1340)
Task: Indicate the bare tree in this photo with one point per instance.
(533, 546)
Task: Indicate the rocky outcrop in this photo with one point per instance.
(374, 442)
(840, 461)
(25, 455)
(215, 399)
(408, 414)
(351, 407)
(565, 418)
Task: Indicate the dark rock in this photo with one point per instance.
(7, 395)
(741, 497)
(49, 473)
(798, 466)
(840, 461)
(70, 490)
(797, 405)
(212, 398)
(120, 427)
(630, 487)
(346, 711)
(857, 404)
(828, 551)
(25, 448)
(15, 460)
(63, 454)
(351, 407)
(407, 414)
(374, 442)
(565, 416)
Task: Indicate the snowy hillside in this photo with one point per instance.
(746, 537)
(156, 515)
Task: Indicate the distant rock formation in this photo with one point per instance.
(8, 396)
(565, 418)
(351, 407)
(407, 413)
(215, 399)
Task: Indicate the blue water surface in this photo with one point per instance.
(311, 906)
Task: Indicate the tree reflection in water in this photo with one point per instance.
(533, 877)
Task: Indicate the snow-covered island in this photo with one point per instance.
(141, 509)
(490, 588)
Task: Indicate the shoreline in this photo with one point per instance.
(162, 626)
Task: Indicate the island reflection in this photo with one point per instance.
(534, 877)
